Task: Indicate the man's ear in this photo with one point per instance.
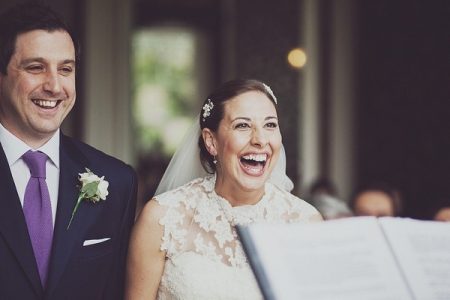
(210, 141)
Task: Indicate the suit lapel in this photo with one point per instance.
(13, 226)
(72, 162)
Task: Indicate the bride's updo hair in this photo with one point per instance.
(213, 108)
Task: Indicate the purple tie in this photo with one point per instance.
(38, 211)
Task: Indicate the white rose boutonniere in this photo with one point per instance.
(93, 188)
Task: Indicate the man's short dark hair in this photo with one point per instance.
(23, 18)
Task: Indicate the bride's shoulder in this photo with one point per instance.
(191, 192)
(295, 205)
(152, 212)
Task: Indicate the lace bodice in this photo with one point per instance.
(204, 258)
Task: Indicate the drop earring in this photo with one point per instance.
(214, 160)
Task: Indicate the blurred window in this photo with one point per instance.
(165, 87)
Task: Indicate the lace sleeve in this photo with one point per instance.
(177, 219)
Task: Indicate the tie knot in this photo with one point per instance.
(35, 161)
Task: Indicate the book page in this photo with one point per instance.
(339, 259)
(423, 251)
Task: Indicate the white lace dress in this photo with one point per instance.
(204, 258)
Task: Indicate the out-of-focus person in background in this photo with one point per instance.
(323, 196)
(440, 211)
(377, 199)
(443, 214)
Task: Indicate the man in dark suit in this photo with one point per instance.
(42, 256)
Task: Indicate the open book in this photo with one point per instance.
(352, 259)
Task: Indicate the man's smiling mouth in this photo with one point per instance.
(46, 104)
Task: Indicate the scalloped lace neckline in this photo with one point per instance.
(241, 214)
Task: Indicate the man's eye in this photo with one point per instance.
(35, 68)
(66, 70)
(272, 125)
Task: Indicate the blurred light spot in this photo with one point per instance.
(297, 58)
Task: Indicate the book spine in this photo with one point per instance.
(255, 262)
(394, 255)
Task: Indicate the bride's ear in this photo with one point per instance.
(210, 141)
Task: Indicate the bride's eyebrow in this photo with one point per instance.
(241, 119)
(249, 119)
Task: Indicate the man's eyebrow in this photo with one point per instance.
(42, 60)
(68, 61)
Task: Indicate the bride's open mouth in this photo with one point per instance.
(254, 163)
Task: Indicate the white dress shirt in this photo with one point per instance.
(14, 149)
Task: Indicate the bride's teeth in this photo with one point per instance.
(256, 157)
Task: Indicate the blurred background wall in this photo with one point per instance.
(365, 96)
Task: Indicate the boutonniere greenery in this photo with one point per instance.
(92, 188)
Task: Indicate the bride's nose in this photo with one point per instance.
(259, 138)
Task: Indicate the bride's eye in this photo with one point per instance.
(241, 125)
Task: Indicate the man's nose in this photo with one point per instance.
(52, 82)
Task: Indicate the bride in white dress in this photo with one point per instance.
(184, 244)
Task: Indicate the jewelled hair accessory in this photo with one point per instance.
(270, 92)
(207, 109)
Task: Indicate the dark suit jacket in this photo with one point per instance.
(75, 271)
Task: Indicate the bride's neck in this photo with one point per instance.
(236, 195)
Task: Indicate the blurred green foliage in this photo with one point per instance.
(164, 84)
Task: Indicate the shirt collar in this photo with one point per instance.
(14, 147)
